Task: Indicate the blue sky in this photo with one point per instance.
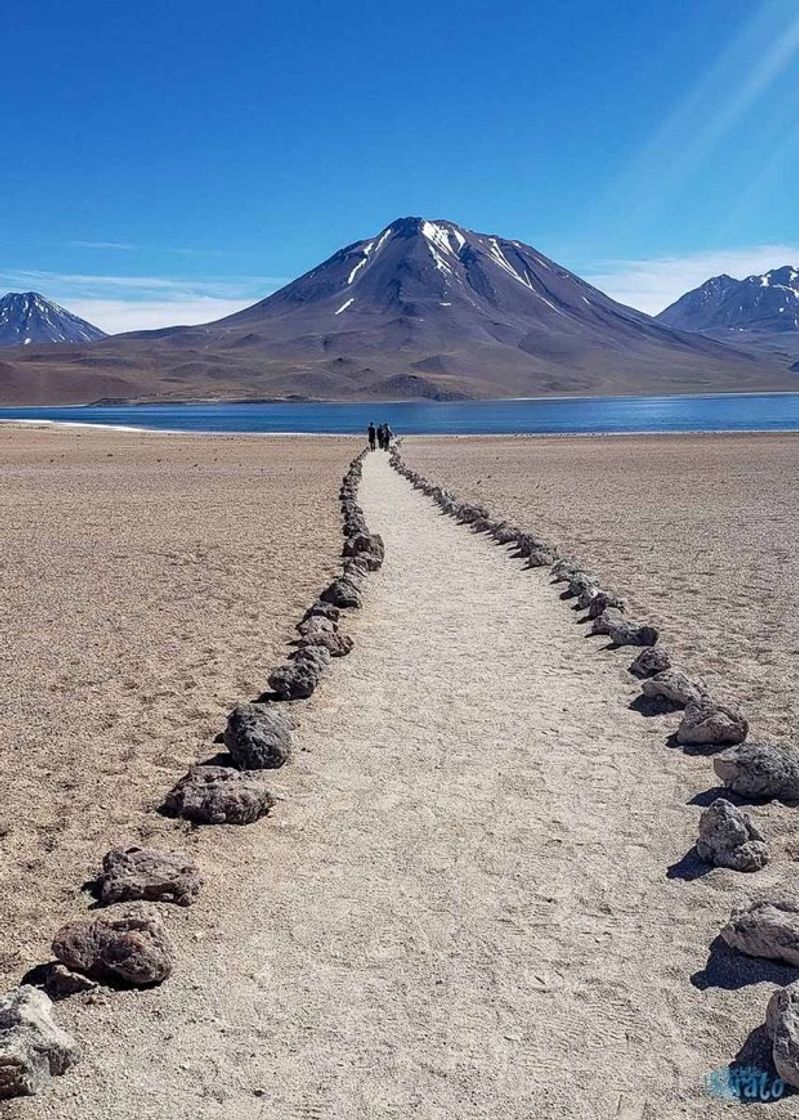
(170, 161)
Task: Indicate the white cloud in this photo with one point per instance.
(129, 303)
(99, 245)
(115, 316)
(652, 284)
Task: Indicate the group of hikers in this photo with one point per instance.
(382, 436)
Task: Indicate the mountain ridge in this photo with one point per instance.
(767, 302)
(422, 309)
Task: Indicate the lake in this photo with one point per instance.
(768, 412)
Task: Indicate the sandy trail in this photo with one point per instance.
(461, 909)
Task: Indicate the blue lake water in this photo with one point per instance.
(770, 412)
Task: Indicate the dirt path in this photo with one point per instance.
(461, 910)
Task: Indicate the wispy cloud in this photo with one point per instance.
(652, 284)
(100, 245)
(130, 247)
(126, 303)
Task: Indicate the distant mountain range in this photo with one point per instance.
(759, 303)
(759, 314)
(27, 317)
(423, 309)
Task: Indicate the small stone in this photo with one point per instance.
(60, 982)
(367, 545)
(727, 838)
(765, 928)
(148, 874)
(564, 570)
(673, 685)
(336, 644)
(707, 723)
(467, 514)
(650, 661)
(602, 600)
(320, 609)
(542, 556)
(298, 679)
(506, 534)
(220, 795)
(132, 946)
(33, 1048)
(257, 735)
(622, 631)
(760, 770)
(316, 624)
(342, 593)
(580, 582)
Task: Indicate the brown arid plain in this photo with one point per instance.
(699, 533)
(149, 582)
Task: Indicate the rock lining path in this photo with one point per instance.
(461, 908)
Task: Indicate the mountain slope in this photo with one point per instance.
(27, 317)
(423, 309)
(759, 303)
(433, 284)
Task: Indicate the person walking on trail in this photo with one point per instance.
(388, 435)
(381, 436)
(371, 432)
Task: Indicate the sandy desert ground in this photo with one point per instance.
(148, 582)
(472, 899)
(699, 533)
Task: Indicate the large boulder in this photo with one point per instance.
(760, 770)
(782, 1025)
(131, 946)
(258, 736)
(341, 593)
(33, 1048)
(220, 795)
(673, 685)
(651, 661)
(623, 631)
(148, 874)
(298, 678)
(765, 928)
(707, 723)
(727, 838)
